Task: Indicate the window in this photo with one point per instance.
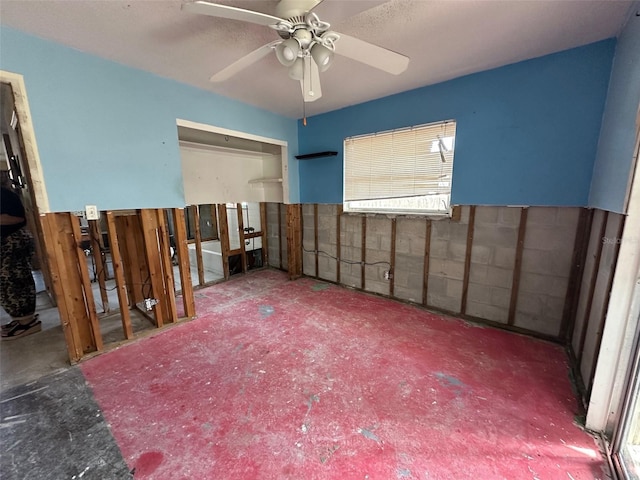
(400, 171)
(208, 222)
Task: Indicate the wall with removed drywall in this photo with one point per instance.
(504, 265)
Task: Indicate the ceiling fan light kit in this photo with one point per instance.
(287, 52)
(323, 56)
(306, 47)
(296, 71)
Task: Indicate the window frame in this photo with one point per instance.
(399, 210)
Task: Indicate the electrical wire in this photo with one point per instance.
(348, 262)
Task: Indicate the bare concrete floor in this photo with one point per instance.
(27, 359)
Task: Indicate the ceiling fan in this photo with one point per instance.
(306, 45)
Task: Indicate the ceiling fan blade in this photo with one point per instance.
(244, 62)
(310, 82)
(233, 13)
(371, 54)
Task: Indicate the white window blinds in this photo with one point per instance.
(411, 162)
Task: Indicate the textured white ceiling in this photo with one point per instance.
(444, 39)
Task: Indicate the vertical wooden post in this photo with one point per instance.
(85, 283)
(580, 246)
(592, 286)
(150, 234)
(363, 252)
(180, 235)
(224, 238)
(101, 273)
(118, 273)
(315, 237)
(196, 216)
(264, 233)
(243, 250)
(425, 273)
(280, 234)
(167, 267)
(515, 283)
(392, 257)
(467, 259)
(294, 240)
(60, 288)
(338, 241)
(134, 260)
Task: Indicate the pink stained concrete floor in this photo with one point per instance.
(307, 380)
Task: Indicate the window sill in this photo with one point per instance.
(453, 214)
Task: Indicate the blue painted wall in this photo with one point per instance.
(526, 133)
(613, 165)
(107, 133)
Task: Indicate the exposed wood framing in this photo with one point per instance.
(243, 250)
(456, 213)
(118, 273)
(592, 287)
(515, 282)
(294, 240)
(224, 239)
(264, 231)
(580, 247)
(169, 299)
(180, 235)
(427, 248)
(136, 271)
(97, 247)
(280, 234)
(198, 234)
(603, 314)
(392, 257)
(67, 262)
(338, 241)
(363, 252)
(315, 238)
(301, 240)
(62, 290)
(214, 221)
(150, 233)
(90, 306)
(467, 259)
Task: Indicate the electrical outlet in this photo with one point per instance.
(388, 275)
(92, 212)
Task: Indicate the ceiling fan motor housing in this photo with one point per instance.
(290, 9)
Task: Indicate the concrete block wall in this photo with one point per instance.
(378, 254)
(493, 256)
(410, 255)
(546, 268)
(308, 240)
(546, 260)
(351, 250)
(327, 234)
(447, 251)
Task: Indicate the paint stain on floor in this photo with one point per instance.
(338, 384)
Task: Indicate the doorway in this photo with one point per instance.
(26, 359)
